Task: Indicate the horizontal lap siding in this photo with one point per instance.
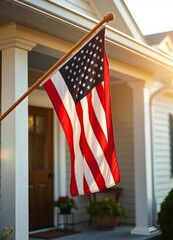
(163, 106)
(122, 114)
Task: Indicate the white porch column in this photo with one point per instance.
(14, 137)
(142, 160)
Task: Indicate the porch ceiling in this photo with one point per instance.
(12, 11)
(120, 47)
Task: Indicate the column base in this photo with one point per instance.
(145, 231)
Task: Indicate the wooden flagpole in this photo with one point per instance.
(109, 17)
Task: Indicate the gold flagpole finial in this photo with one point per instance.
(109, 17)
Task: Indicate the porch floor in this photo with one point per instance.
(91, 233)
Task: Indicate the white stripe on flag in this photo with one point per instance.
(68, 102)
(90, 178)
(99, 111)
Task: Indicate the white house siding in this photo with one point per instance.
(123, 134)
(163, 106)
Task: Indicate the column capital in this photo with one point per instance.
(140, 84)
(136, 84)
(17, 42)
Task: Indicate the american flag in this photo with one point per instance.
(80, 93)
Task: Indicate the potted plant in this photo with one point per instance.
(165, 217)
(65, 204)
(106, 213)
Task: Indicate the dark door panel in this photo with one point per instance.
(40, 166)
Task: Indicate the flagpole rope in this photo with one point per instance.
(107, 18)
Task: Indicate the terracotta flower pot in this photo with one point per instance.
(106, 222)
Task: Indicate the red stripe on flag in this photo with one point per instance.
(104, 96)
(86, 187)
(97, 129)
(101, 94)
(112, 163)
(85, 149)
(66, 124)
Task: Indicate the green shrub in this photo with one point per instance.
(165, 216)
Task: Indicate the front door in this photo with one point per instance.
(40, 168)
